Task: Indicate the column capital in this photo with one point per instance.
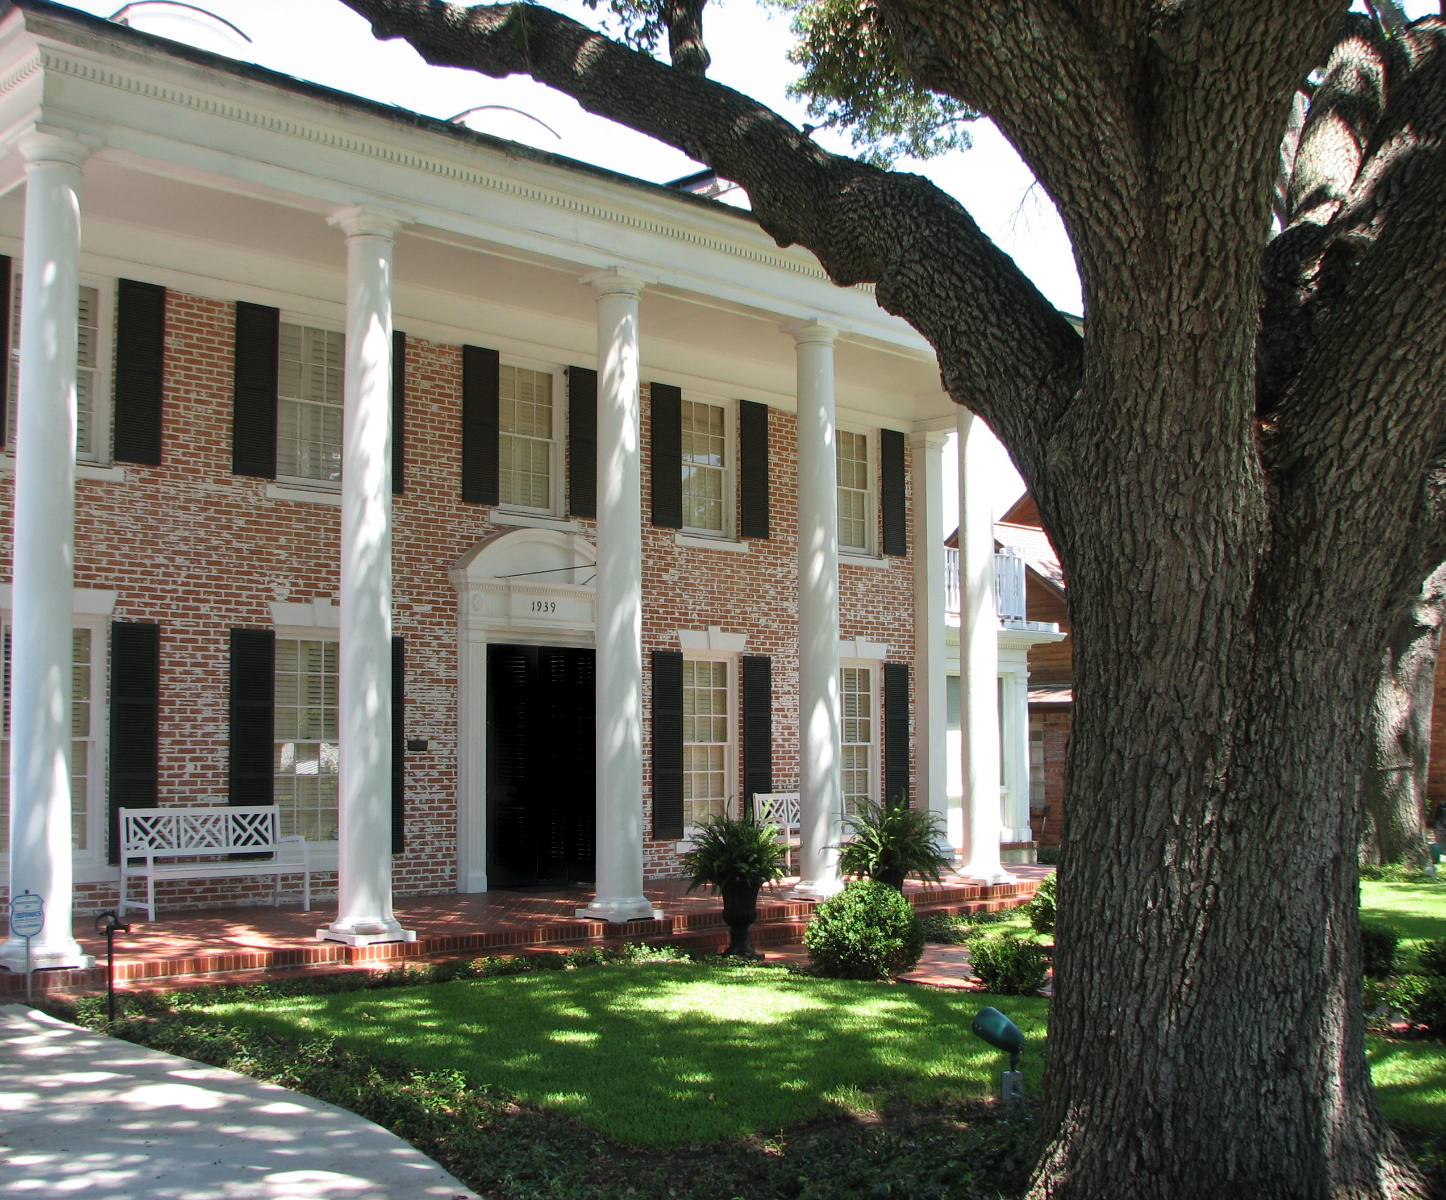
(617, 281)
(363, 220)
(811, 330)
(928, 439)
(43, 144)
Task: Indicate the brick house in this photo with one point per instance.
(493, 515)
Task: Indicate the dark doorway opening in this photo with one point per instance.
(541, 811)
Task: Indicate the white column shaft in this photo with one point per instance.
(931, 718)
(820, 782)
(618, 894)
(40, 670)
(978, 657)
(364, 827)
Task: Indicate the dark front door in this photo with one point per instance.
(540, 801)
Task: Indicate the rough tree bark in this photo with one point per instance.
(1241, 465)
(1394, 797)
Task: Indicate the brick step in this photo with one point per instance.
(781, 922)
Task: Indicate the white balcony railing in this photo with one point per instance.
(1009, 594)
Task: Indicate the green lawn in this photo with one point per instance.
(1417, 911)
(672, 1054)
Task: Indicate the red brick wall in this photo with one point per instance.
(200, 550)
(1436, 780)
(1046, 823)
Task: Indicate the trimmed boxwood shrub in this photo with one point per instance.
(1432, 957)
(1429, 1004)
(867, 931)
(1041, 908)
(1378, 950)
(1008, 965)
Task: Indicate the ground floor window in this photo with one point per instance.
(707, 738)
(306, 738)
(84, 731)
(1036, 761)
(856, 693)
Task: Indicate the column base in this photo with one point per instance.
(366, 933)
(44, 958)
(817, 889)
(620, 909)
(988, 874)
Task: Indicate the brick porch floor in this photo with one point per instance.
(239, 942)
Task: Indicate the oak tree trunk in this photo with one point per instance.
(1394, 796)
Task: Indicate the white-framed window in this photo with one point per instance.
(307, 757)
(529, 438)
(87, 745)
(856, 520)
(858, 705)
(707, 468)
(310, 369)
(708, 739)
(1036, 761)
(92, 376)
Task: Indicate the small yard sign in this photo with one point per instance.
(27, 918)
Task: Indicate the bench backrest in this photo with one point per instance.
(776, 808)
(218, 830)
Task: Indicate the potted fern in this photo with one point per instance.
(737, 856)
(890, 842)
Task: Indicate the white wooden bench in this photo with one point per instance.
(202, 843)
(780, 809)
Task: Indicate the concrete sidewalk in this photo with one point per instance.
(86, 1117)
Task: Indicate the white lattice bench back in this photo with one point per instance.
(780, 809)
(200, 843)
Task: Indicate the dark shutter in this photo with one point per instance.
(757, 687)
(399, 411)
(253, 729)
(399, 743)
(6, 334)
(896, 733)
(752, 469)
(667, 745)
(480, 369)
(140, 347)
(891, 492)
(581, 442)
(253, 413)
(135, 721)
(667, 456)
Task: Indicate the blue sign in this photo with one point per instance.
(27, 915)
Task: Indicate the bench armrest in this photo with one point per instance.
(305, 850)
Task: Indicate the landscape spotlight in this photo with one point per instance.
(999, 1031)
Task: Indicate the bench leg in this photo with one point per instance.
(306, 888)
(150, 897)
(276, 890)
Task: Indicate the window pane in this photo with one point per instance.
(857, 703)
(306, 752)
(88, 340)
(706, 739)
(525, 413)
(309, 413)
(853, 490)
(705, 466)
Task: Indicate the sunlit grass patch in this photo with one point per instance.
(670, 1054)
(1417, 911)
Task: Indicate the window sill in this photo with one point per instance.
(862, 560)
(83, 470)
(501, 516)
(306, 495)
(696, 541)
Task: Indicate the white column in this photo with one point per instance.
(931, 718)
(364, 701)
(1014, 689)
(978, 658)
(40, 673)
(618, 893)
(820, 782)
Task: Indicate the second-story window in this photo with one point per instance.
(87, 383)
(526, 450)
(309, 411)
(706, 494)
(855, 493)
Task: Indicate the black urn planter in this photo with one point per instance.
(740, 910)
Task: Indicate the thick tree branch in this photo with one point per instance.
(1009, 355)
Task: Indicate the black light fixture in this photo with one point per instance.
(999, 1031)
(108, 924)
